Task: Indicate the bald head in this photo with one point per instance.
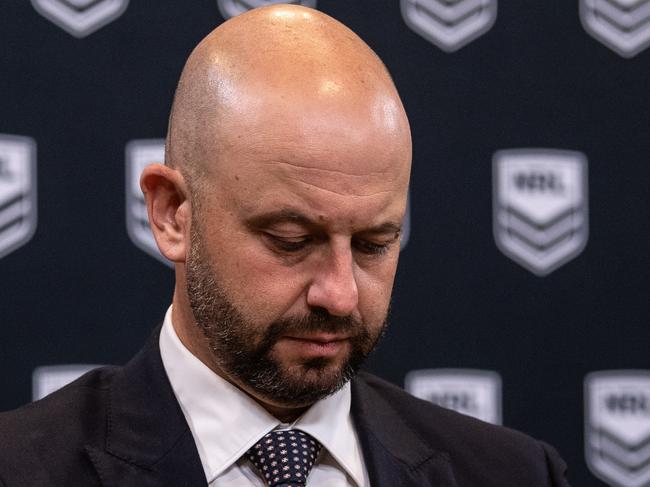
(290, 158)
(277, 65)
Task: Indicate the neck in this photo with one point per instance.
(283, 414)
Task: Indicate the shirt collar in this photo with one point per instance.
(225, 422)
(330, 422)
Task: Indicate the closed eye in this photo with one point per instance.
(295, 244)
(288, 244)
(374, 248)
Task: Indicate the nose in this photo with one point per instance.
(334, 286)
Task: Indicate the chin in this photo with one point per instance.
(306, 383)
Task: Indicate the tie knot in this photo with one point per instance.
(285, 458)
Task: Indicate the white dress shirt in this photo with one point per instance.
(225, 422)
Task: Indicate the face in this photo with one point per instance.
(248, 352)
(293, 252)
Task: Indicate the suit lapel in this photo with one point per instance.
(394, 453)
(148, 442)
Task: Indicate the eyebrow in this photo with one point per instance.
(280, 216)
(292, 216)
(388, 227)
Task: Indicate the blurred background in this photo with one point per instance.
(526, 266)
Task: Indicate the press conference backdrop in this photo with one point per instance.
(522, 292)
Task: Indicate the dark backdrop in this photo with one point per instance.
(81, 292)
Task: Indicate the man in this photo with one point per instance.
(280, 203)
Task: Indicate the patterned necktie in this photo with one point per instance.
(285, 458)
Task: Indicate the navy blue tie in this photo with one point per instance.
(285, 458)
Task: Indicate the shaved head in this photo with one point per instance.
(281, 203)
(261, 62)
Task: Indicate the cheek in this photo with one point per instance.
(254, 281)
(375, 289)
(263, 288)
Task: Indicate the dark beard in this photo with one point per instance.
(244, 351)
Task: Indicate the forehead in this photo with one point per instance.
(328, 194)
(353, 134)
(335, 167)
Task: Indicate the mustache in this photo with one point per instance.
(316, 321)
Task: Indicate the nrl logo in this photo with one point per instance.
(406, 225)
(449, 24)
(540, 206)
(617, 427)
(80, 17)
(141, 153)
(47, 379)
(17, 192)
(476, 393)
(622, 25)
(232, 8)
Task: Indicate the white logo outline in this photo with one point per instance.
(486, 385)
(406, 225)
(81, 18)
(608, 453)
(47, 379)
(138, 153)
(621, 25)
(232, 8)
(540, 244)
(19, 203)
(449, 25)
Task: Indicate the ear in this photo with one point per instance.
(168, 208)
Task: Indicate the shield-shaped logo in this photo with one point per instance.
(622, 25)
(540, 206)
(47, 379)
(18, 216)
(617, 426)
(406, 225)
(141, 153)
(449, 24)
(231, 8)
(80, 17)
(476, 393)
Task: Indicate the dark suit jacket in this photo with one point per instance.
(122, 427)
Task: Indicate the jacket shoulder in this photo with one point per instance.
(476, 449)
(45, 439)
